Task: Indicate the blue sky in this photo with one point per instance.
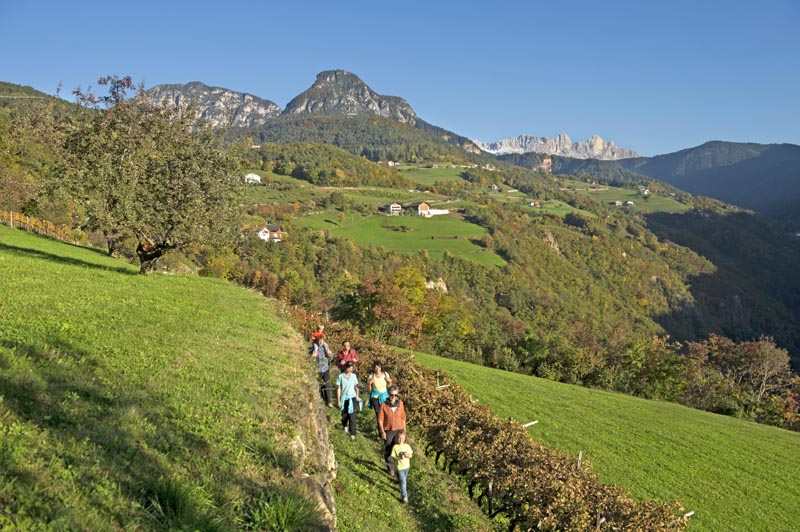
(655, 77)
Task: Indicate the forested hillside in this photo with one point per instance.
(591, 294)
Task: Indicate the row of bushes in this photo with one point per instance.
(509, 473)
(42, 227)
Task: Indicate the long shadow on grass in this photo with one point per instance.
(35, 253)
(130, 426)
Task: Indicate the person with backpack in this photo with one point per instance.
(322, 354)
(347, 398)
(378, 383)
(345, 355)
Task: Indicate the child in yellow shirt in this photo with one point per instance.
(402, 453)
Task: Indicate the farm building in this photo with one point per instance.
(272, 233)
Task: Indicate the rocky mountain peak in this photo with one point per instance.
(338, 92)
(221, 107)
(596, 147)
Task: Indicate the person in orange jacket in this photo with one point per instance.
(391, 421)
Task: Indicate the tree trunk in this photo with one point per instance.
(149, 252)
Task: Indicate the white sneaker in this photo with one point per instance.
(352, 438)
(347, 430)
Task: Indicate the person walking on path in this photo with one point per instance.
(347, 354)
(378, 383)
(319, 331)
(323, 355)
(401, 454)
(391, 420)
(347, 397)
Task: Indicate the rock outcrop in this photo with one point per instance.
(337, 93)
(221, 107)
(593, 148)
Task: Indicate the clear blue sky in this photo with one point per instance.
(652, 76)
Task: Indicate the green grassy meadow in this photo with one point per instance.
(132, 402)
(407, 234)
(140, 403)
(430, 176)
(650, 203)
(735, 475)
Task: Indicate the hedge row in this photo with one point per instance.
(537, 488)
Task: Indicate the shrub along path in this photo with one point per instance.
(368, 499)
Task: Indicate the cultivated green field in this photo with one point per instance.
(141, 403)
(650, 203)
(735, 475)
(407, 234)
(430, 176)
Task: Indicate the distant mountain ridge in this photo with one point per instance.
(335, 93)
(762, 177)
(222, 107)
(593, 148)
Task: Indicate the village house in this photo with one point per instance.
(393, 209)
(272, 233)
(252, 179)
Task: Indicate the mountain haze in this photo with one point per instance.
(762, 177)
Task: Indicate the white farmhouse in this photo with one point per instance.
(251, 179)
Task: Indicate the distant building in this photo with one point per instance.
(629, 202)
(251, 179)
(393, 209)
(423, 209)
(617, 203)
(272, 233)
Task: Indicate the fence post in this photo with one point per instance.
(11, 218)
(580, 458)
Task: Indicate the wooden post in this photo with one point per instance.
(11, 218)
(580, 458)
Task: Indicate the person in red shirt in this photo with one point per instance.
(347, 354)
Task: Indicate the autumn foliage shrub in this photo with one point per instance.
(507, 472)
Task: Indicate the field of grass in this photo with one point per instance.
(407, 234)
(143, 403)
(735, 475)
(381, 196)
(429, 176)
(650, 203)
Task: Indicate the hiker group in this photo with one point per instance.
(384, 399)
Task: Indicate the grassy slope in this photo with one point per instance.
(118, 390)
(435, 234)
(735, 475)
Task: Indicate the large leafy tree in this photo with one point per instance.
(147, 171)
